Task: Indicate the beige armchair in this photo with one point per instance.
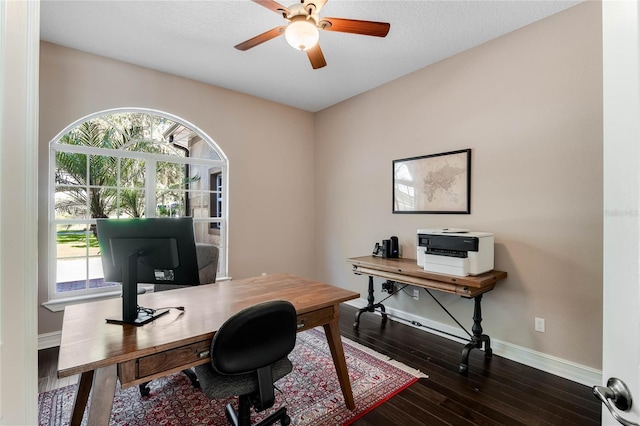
(207, 257)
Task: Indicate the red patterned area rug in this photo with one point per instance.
(311, 391)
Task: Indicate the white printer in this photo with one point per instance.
(455, 251)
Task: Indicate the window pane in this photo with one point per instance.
(132, 203)
(90, 133)
(173, 176)
(170, 204)
(74, 240)
(172, 180)
(103, 170)
(102, 202)
(103, 181)
(78, 264)
(203, 233)
(71, 185)
(139, 125)
(71, 169)
(196, 172)
(132, 173)
(126, 128)
(70, 202)
(199, 203)
(201, 149)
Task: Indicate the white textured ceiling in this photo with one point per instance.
(195, 39)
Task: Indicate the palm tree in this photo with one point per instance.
(95, 188)
(83, 184)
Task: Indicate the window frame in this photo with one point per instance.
(57, 300)
(215, 199)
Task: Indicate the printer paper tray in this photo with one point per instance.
(445, 269)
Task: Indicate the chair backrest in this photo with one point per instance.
(207, 257)
(254, 338)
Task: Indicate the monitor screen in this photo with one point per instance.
(154, 251)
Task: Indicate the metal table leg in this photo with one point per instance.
(371, 307)
(477, 338)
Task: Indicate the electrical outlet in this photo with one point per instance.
(388, 287)
(539, 324)
(416, 294)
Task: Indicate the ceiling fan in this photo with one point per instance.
(303, 23)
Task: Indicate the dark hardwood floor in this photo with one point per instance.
(495, 392)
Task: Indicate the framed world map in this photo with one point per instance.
(437, 183)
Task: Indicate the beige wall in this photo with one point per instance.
(269, 146)
(529, 105)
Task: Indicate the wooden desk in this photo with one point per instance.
(102, 352)
(407, 271)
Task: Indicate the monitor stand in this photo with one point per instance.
(130, 313)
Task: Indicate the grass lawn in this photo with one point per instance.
(73, 243)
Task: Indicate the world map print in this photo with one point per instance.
(444, 182)
(432, 184)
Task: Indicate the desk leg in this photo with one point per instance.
(332, 331)
(477, 339)
(104, 389)
(82, 395)
(371, 307)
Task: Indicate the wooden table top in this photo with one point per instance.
(88, 342)
(409, 267)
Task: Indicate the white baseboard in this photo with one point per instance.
(49, 340)
(569, 370)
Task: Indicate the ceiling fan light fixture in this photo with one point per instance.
(302, 34)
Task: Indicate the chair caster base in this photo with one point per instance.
(144, 389)
(244, 419)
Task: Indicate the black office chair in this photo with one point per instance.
(248, 354)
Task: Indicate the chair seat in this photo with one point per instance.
(216, 385)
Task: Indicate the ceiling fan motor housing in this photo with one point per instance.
(303, 25)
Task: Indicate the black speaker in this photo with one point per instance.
(394, 250)
(386, 248)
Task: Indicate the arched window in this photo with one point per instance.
(128, 163)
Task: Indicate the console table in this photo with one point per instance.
(407, 271)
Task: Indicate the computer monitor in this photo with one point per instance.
(153, 251)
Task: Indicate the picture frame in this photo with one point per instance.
(436, 183)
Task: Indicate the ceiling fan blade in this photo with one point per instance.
(354, 26)
(273, 5)
(316, 57)
(261, 38)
